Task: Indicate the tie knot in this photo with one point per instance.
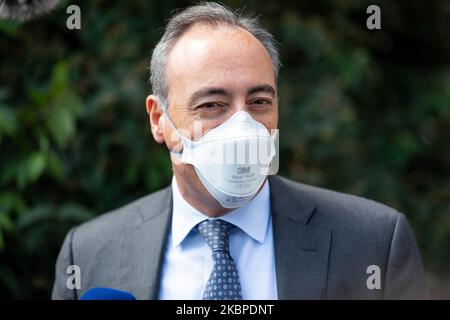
(216, 233)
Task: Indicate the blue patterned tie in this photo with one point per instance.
(223, 283)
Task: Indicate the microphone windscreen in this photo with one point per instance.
(106, 294)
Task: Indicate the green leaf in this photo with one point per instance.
(61, 125)
(32, 217)
(5, 221)
(9, 172)
(35, 166)
(9, 27)
(75, 212)
(30, 169)
(39, 97)
(55, 166)
(12, 201)
(60, 77)
(8, 121)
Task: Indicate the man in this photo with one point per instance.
(226, 232)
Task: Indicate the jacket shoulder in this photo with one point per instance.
(337, 209)
(127, 216)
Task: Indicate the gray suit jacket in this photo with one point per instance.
(324, 243)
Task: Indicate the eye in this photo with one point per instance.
(261, 102)
(209, 106)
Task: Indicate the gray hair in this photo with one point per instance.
(207, 13)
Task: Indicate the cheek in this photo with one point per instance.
(269, 120)
(274, 118)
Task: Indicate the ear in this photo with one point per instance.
(155, 112)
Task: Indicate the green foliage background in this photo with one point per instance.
(363, 112)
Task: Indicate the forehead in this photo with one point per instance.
(205, 51)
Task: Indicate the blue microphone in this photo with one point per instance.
(106, 294)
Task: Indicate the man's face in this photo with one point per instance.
(213, 72)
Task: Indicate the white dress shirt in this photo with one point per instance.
(188, 262)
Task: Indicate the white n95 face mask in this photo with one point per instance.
(231, 160)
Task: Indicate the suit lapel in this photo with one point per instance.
(143, 247)
(301, 249)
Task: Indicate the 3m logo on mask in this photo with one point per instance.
(243, 170)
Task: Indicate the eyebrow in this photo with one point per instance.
(205, 92)
(214, 91)
(261, 88)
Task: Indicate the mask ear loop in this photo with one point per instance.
(184, 139)
(172, 152)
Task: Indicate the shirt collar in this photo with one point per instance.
(253, 218)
